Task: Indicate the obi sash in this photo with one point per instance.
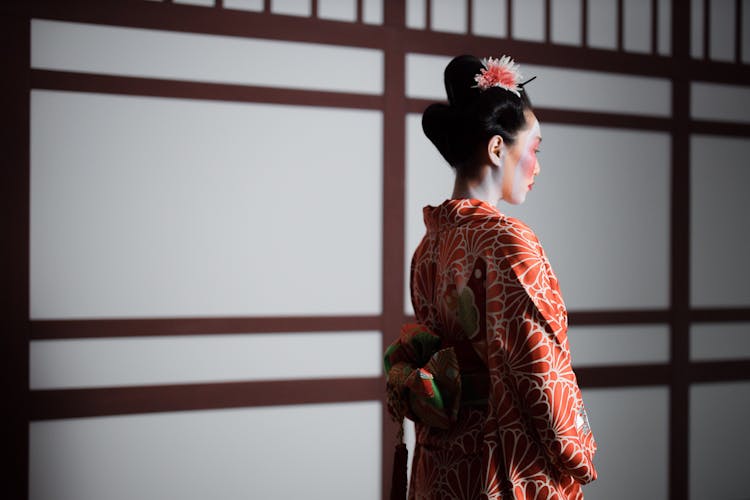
(429, 379)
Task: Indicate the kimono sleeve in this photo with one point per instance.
(539, 361)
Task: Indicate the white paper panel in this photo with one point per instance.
(664, 36)
(696, 28)
(251, 5)
(416, 11)
(327, 451)
(429, 181)
(637, 25)
(566, 22)
(489, 18)
(339, 10)
(372, 11)
(144, 207)
(292, 7)
(558, 88)
(424, 75)
(110, 50)
(720, 102)
(721, 29)
(631, 427)
(618, 345)
(204, 3)
(449, 15)
(528, 20)
(602, 24)
(717, 341)
(720, 226)
(599, 91)
(719, 467)
(108, 362)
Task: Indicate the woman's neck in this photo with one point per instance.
(483, 187)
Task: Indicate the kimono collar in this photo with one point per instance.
(454, 212)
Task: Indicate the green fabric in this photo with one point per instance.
(423, 381)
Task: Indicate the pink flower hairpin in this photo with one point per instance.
(501, 72)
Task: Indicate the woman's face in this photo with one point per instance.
(521, 164)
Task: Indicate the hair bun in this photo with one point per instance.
(472, 116)
(438, 124)
(459, 80)
(444, 125)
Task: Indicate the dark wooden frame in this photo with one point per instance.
(395, 40)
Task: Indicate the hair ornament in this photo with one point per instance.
(527, 81)
(502, 73)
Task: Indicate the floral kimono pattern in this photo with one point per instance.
(480, 278)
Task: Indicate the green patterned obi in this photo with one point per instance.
(428, 380)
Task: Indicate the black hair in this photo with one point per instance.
(472, 115)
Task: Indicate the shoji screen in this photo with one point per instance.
(205, 264)
(213, 206)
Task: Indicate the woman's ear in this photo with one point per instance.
(496, 150)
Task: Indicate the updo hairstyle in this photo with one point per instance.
(472, 116)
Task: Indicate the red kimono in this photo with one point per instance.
(482, 283)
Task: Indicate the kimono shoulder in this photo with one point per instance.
(521, 250)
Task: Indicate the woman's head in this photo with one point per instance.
(490, 126)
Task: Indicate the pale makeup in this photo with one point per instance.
(517, 177)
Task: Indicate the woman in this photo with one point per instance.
(485, 372)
